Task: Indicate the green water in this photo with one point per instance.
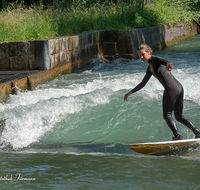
(73, 132)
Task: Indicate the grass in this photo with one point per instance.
(18, 23)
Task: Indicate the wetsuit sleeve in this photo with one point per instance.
(144, 81)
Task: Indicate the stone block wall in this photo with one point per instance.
(159, 37)
(48, 54)
(112, 42)
(16, 56)
(77, 49)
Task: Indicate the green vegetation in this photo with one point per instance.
(21, 23)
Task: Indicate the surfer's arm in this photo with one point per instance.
(140, 85)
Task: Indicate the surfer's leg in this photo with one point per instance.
(178, 112)
(168, 106)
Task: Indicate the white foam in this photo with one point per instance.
(27, 124)
(189, 80)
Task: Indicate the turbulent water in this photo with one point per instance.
(73, 132)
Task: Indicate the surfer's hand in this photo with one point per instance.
(127, 95)
(170, 67)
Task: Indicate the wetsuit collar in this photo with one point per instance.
(150, 60)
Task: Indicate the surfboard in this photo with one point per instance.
(2, 125)
(165, 147)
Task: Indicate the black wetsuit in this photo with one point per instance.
(173, 93)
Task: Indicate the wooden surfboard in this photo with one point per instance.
(165, 147)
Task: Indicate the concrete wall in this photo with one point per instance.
(48, 54)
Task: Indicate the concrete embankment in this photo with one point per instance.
(43, 60)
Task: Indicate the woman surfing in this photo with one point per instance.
(173, 93)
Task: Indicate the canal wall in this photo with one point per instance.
(68, 53)
(48, 54)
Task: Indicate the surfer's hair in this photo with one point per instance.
(145, 47)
